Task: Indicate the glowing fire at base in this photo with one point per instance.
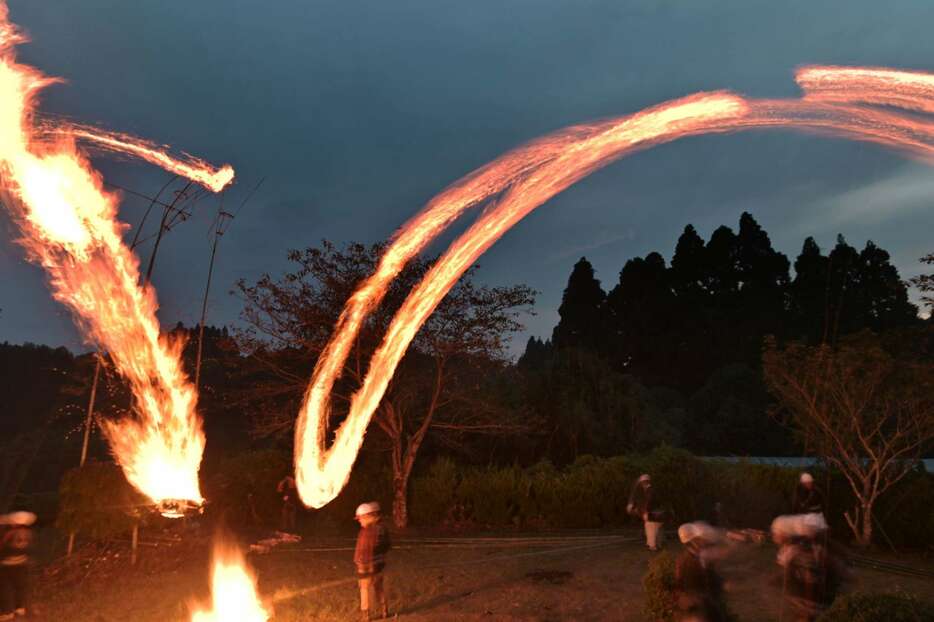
(69, 226)
(233, 591)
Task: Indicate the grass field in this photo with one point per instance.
(571, 577)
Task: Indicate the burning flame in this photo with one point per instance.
(522, 180)
(69, 226)
(233, 591)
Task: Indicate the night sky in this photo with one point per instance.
(356, 113)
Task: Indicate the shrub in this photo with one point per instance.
(96, 500)
(243, 488)
(593, 493)
(433, 494)
(658, 585)
(862, 607)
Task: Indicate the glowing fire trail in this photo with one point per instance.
(69, 226)
(913, 90)
(189, 167)
(528, 177)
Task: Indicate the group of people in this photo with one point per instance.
(15, 542)
(813, 568)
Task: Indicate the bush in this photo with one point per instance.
(243, 488)
(658, 585)
(96, 500)
(593, 492)
(432, 495)
(861, 607)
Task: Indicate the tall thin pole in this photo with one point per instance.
(218, 232)
(204, 309)
(162, 228)
(90, 416)
(87, 432)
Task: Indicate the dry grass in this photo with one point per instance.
(452, 583)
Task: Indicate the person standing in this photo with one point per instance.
(289, 495)
(808, 497)
(15, 543)
(373, 544)
(643, 503)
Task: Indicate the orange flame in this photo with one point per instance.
(233, 591)
(69, 226)
(526, 178)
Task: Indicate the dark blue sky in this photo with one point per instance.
(358, 112)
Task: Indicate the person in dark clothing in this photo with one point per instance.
(813, 569)
(15, 542)
(373, 543)
(698, 586)
(289, 495)
(808, 497)
(643, 503)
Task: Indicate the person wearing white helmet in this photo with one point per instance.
(643, 504)
(373, 543)
(698, 585)
(808, 497)
(15, 541)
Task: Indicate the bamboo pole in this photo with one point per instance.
(204, 310)
(87, 433)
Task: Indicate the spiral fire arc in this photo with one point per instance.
(838, 101)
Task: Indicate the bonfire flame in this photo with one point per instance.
(522, 180)
(69, 226)
(233, 590)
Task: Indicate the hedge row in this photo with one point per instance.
(593, 493)
(590, 493)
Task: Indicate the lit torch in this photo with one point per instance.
(69, 226)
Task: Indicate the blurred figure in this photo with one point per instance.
(808, 497)
(15, 542)
(289, 495)
(813, 571)
(643, 503)
(698, 586)
(373, 544)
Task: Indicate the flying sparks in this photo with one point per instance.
(69, 226)
(522, 180)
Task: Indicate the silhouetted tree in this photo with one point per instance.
(582, 313)
(645, 317)
(846, 292)
(440, 384)
(868, 413)
(925, 282)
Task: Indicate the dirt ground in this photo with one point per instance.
(544, 579)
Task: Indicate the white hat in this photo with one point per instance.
(367, 508)
(807, 478)
(699, 529)
(644, 477)
(24, 519)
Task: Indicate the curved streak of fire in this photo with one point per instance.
(522, 180)
(70, 227)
